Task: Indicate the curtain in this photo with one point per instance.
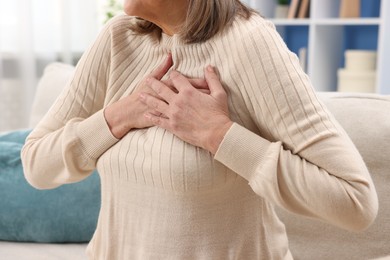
(34, 33)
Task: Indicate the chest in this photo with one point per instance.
(191, 61)
(156, 158)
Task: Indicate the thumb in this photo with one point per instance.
(213, 81)
(163, 68)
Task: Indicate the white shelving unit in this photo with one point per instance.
(326, 37)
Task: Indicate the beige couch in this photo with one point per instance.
(367, 120)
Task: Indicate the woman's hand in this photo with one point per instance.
(128, 113)
(201, 119)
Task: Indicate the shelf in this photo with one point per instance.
(352, 21)
(291, 22)
(326, 37)
(326, 21)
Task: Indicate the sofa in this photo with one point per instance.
(365, 117)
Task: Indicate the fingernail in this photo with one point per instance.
(210, 68)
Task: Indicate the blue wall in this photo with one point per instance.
(361, 37)
(297, 37)
(370, 8)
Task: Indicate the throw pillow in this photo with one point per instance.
(54, 79)
(65, 214)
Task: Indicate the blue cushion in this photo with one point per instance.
(15, 136)
(65, 214)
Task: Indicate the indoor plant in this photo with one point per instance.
(112, 8)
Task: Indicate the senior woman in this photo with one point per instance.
(193, 154)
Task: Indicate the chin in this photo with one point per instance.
(129, 7)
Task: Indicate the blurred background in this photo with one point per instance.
(34, 33)
(326, 36)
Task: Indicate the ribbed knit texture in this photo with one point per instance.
(163, 198)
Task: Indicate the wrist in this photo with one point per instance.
(217, 135)
(116, 120)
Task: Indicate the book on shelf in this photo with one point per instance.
(304, 9)
(299, 9)
(293, 9)
(350, 8)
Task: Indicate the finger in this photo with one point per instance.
(163, 68)
(157, 105)
(161, 89)
(157, 120)
(179, 81)
(201, 85)
(169, 84)
(156, 113)
(195, 82)
(205, 91)
(213, 81)
(198, 83)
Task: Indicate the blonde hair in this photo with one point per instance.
(205, 18)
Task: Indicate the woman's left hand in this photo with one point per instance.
(200, 119)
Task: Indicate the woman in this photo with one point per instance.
(177, 145)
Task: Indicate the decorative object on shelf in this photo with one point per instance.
(281, 9)
(359, 74)
(327, 37)
(302, 55)
(350, 9)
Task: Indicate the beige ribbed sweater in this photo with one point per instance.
(163, 198)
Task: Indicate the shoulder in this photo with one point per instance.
(255, 26)
(118, 31)
(120, 23)
(253, 36)
(256, 38)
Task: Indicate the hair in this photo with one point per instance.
(205, 18)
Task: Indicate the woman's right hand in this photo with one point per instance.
(128, 113)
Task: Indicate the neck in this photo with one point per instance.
(166, 14)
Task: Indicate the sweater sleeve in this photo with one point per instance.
(299, 158)
(66, 144)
